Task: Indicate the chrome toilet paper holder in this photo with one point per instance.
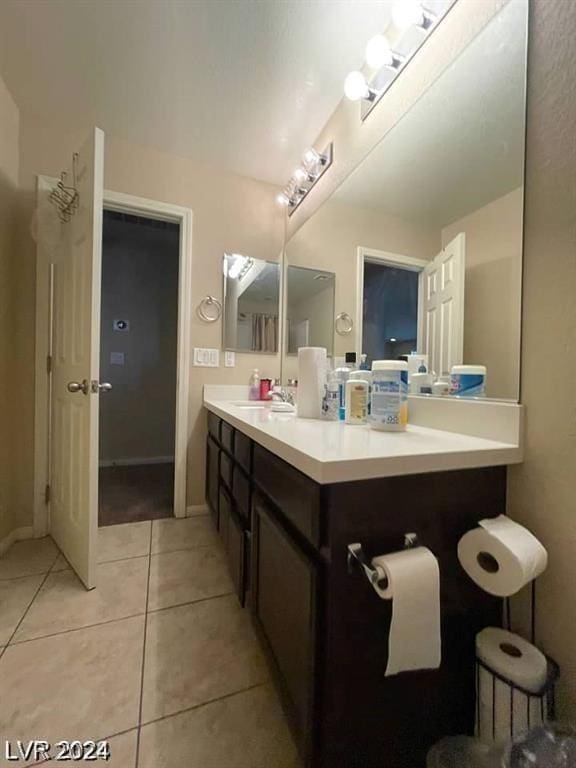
(356, 559)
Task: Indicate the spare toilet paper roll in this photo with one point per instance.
(414, 641)
(501, 556)
(503, 711)
(311, 380)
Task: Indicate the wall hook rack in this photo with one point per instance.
(65, 198)
(356, 559)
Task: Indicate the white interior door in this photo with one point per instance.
(75, 370)
(442, 314)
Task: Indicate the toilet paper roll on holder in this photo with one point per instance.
(357, 559)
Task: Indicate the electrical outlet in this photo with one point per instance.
(206, 358)
(229, 359)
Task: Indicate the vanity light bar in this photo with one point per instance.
(381, 58)
(314, 166)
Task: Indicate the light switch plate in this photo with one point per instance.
(229, 359)
(206, 358)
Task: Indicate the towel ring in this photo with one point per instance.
(343, 324)
(209, 310)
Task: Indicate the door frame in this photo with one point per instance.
(393, 260)
(137, 206)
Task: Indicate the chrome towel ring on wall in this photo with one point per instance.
(209, 310)
(343, 324)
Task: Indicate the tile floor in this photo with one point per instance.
(159, 659)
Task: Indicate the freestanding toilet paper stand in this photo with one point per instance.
(540, 705)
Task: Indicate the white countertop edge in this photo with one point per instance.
(350, 469)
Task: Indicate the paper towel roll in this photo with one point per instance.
(311, 380)
(501, 556)
(414, 641)
(503, 711)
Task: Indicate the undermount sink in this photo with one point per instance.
(274, 405)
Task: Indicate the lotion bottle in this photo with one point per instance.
(357, 398)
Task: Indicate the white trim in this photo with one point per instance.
(115, 201)
(383, 257)
(43, 324)
(136, 461)
(18, 534)
(195, 510)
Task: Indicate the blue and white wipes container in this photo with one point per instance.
(389, 395)
(468, 380)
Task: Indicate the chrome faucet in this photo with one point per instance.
(281, 395)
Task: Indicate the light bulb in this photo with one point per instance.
(283, 199)
(237, 266)
(378, 52)
(356, 87)
(407, 13)
(300, 175)
(310, 158)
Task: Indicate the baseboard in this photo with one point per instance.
(136, 461)
(197, 509)
(18, 534)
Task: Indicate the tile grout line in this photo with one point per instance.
(137, 759)
(35, 595)
(191, 602)
(79, 629)
(206, 703)
(119, 618)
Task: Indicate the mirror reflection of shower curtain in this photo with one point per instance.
(264, 333)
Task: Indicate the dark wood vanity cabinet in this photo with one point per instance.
(323, 627)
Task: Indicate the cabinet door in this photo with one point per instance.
(283, 601)
(212, 477)
(233, 538)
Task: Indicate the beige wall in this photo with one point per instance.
(542, 491)
(140, 285)
(492, 290)
(231, 213)
(9, 121)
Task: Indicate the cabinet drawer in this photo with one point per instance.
(243, 451)
(214, 426)
(227, 437)
(295, 494)
(284, 588)
(241, 492)
(226, 465)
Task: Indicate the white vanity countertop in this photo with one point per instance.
(333, 452)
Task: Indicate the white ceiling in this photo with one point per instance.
(243, 84)
(462, 144)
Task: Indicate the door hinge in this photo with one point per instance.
(47, 494)
(49, 364)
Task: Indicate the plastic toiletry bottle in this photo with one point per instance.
(331, 399)
(357, 398)
(342, 374)
(254, 385)
(468, 380)
(389, 399)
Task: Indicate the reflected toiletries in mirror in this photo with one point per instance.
(251, 304)
(309, 309)
(425, 236)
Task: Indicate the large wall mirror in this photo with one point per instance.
(251, 304)
(425, 236)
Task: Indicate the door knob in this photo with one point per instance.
(105, 386)
(76, 386)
